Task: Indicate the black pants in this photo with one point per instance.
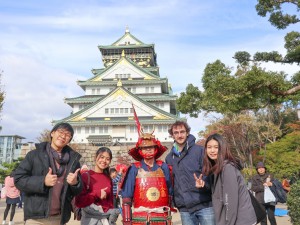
(116, 201)
(271, 215)
(12, 212)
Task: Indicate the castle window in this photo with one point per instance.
(87, 130)
(78, 130)
(106, 111)
(92, 130)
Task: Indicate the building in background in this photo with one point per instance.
(10, 148)
(104, 115)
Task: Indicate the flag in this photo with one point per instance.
(137, 122)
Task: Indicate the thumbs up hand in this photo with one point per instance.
(50, 179)
(199, 183)
(72, 177)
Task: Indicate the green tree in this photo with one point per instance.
(277, 17)
(2, 94)
(293, 202)
(9, 167)
(283, 156)
(249, 88)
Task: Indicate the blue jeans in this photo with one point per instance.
(204, 216)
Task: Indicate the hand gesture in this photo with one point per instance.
(72, 177)
(103, 193)
(50, 179)
(199, 183)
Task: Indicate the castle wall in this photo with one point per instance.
(120, 155)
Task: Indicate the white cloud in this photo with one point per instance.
(34, 95)
(45, 47)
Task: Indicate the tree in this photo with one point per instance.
(2, 94)
(250, 88)
(277, 17)
(245, 133)
(292, 45)
(283, 156)
(9, 168)
(44, 136)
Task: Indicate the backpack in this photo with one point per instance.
(3, 192)
(260, 211)
(77, 210)
(278, 191)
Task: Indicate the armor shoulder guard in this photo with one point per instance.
(159, 162)
(137, 164)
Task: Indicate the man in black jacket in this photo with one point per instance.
(194, 205)
(49, 177)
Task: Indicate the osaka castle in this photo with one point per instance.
(130, 78)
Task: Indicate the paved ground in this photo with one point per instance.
(176, 219)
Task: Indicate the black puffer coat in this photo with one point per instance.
(29, 178)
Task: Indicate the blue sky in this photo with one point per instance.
(46, 46)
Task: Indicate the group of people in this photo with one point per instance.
(203, 183)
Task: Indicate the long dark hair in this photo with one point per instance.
(224, 154)
(100, 152)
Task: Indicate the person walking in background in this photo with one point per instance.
(230, 196)
(194, 205)
(286, 184)
(49, 177)
(96, 199)
(116, 177)
(12, 199)
(261, 180)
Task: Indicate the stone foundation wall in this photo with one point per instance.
(88, 152)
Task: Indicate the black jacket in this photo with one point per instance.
(259, 188)
(29, 178)
(186, 196)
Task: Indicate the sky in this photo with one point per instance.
(47, 46)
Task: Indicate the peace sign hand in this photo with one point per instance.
(199, 183)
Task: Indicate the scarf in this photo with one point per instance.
(62, 159)
(175, 149)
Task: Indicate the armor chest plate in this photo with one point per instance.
(150, 189)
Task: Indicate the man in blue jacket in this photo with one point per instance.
(194, 205)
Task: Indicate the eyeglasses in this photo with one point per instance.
(175, 133)
(63, 133)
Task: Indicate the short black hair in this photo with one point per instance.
(112, 170)
(65, 126)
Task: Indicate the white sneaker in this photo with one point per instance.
(11, 223)
(3, 222)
